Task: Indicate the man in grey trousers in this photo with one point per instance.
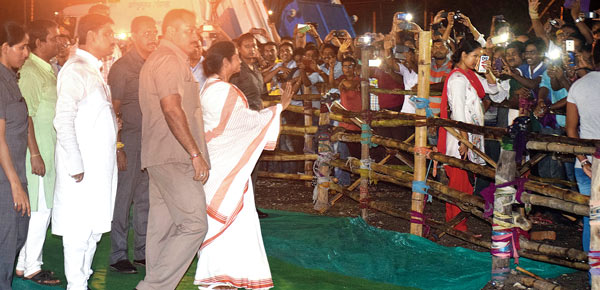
(123, 80)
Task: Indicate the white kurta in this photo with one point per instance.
(86, 131)
(466, 107)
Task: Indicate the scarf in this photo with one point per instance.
(474, 80)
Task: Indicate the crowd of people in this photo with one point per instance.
(90, 127)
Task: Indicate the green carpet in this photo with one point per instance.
(319, 252)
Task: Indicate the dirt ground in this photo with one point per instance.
(296, 196)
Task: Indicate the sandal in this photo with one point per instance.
(44, 277)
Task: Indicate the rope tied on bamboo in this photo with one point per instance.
(420, 186)
(422, 103)
(365, 172)
(322, 180)
(489, 192)
(505, 243)
(365, 135)
(594, 261)
(419, 218)
(427, 152)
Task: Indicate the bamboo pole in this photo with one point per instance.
(594, 219)
(364, 148)
(308, 138)
(538, 283)
(470, 145)
(287, 176)
(531, 162)
(420, 167)
(558, 147)
(288, 157)
(506, 171)
(303, 97)
(323, 180)
(298, 130)
(401, 92)
(545, 189)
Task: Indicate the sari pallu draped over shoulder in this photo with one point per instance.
(233, 251)
(475, 82)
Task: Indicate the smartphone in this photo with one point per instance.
(339, 34)
(591, 14)
(207, 27)
(572, 61)
(404, 16)
(303, 28)
(481, 68)
(570, 45)
(498, 64)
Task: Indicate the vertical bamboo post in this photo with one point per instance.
(308, 139)
(418, 199)
(506, 171)
(324, 147)
(595, 219)
(364, 148)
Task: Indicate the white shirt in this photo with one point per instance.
(584, 94)
(411, 79)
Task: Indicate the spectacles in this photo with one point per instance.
(149, 34)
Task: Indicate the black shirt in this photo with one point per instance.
(250, 82)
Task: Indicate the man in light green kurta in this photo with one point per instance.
(38, 85)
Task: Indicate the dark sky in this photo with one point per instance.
(480, 11)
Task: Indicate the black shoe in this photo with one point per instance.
(124, 267)
(141, 263)
(262, 214)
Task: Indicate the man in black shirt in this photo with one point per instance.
(250, 81)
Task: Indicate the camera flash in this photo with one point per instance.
(374, 62)
(270, 12)
(554, 54)
(409, 17)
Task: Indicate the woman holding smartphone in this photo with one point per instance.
(462, 95)
(14, 202)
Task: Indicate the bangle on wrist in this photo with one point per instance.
(194, 155)
(120, 145)
(35, 155)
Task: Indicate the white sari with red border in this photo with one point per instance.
(233, 251)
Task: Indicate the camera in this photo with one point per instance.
(457, 15)
(339, 34)
(404, 16)
(365, 40)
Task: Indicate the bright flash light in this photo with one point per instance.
(554, 54)
(504, 37)
(409, 17)
(270, 12)
(55, 13)
(374, 62)
(122, 36)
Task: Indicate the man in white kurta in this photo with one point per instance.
(86, 169)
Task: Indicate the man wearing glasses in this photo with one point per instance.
(132, 187)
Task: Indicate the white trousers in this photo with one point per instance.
(30, 257)
(79, 248)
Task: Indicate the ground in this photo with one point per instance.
(297, 196)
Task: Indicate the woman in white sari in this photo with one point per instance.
(232, 255)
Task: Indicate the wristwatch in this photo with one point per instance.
(579, 19)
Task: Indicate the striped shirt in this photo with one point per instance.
(437, 75)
